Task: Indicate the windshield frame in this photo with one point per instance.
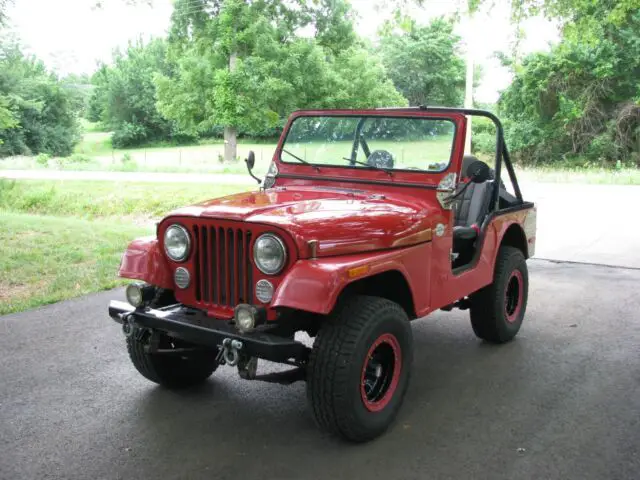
(381, 114)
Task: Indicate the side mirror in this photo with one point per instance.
(251, 162)
(478, 172)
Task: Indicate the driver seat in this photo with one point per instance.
(470, 209)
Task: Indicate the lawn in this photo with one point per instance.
(95, 153)
(96, 199)
(46, 259)
(64, 239)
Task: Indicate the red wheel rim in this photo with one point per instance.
(381, 372)
(513, 294)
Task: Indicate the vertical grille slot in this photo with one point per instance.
(197, 260)
(249, 268)
(242, 294)
(212, 262)
(205, 255)
(222, 260)
(231, 267)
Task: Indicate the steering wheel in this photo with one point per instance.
(380, 159)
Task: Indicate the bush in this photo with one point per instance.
(43, 159)
(44, 107)
(78, 158)
(483, 142)
(129, 135)
(580, 99)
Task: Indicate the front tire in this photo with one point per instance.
(497, 310)
(170, 370)
(359, 368)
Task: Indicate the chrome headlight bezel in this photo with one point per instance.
(187, 243)
(282, 247)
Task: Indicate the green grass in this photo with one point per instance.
(47, 259)
(103, 199)
(95, 143)
(599, 176)
(204, 158)
(63, 239)
(417, 154)
(88, 126)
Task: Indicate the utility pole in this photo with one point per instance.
(468, 90)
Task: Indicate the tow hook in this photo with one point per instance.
(231, 351)
(128, 326)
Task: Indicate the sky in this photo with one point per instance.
(71, 36)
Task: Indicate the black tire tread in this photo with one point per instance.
(169, 371)
(487, 302)
(327, 371)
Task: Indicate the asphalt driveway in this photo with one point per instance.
(560, 402)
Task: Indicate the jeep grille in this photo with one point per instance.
(223, 267)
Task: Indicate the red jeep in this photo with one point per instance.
(366, 220)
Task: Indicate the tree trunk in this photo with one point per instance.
(231, 133)
(230, 144)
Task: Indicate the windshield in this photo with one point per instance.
(376, 142)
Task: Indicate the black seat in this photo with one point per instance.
(470, 208)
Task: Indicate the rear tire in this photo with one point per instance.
(359, 368)
(170, 370)
(498, 309)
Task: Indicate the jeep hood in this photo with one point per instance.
(341, 220)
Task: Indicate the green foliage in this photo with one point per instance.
(79, 158)
(7, 115)
(43, 159)
(37, 112)
(240, 64)
(582, 99)
(125, 95)
(424, 61)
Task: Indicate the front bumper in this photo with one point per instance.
(195, 327)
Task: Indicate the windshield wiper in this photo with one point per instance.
(388, 171)
(302, 160)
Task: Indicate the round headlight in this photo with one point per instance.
(270, 254)
(177, 243)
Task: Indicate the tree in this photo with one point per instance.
(424, 62)
(240, 65)
(582, 99)
(125, 98)
(4, 6)
(37, 113)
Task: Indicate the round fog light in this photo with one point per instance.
(182, 277)
(140, 294)
(245, 319)
(264, 291)
(134, 294)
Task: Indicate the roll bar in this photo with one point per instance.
(502, 153)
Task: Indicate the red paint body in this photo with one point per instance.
(362, 219)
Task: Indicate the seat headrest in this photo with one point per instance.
(467, 160)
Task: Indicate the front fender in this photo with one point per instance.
(143, 260)
(314, 285)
